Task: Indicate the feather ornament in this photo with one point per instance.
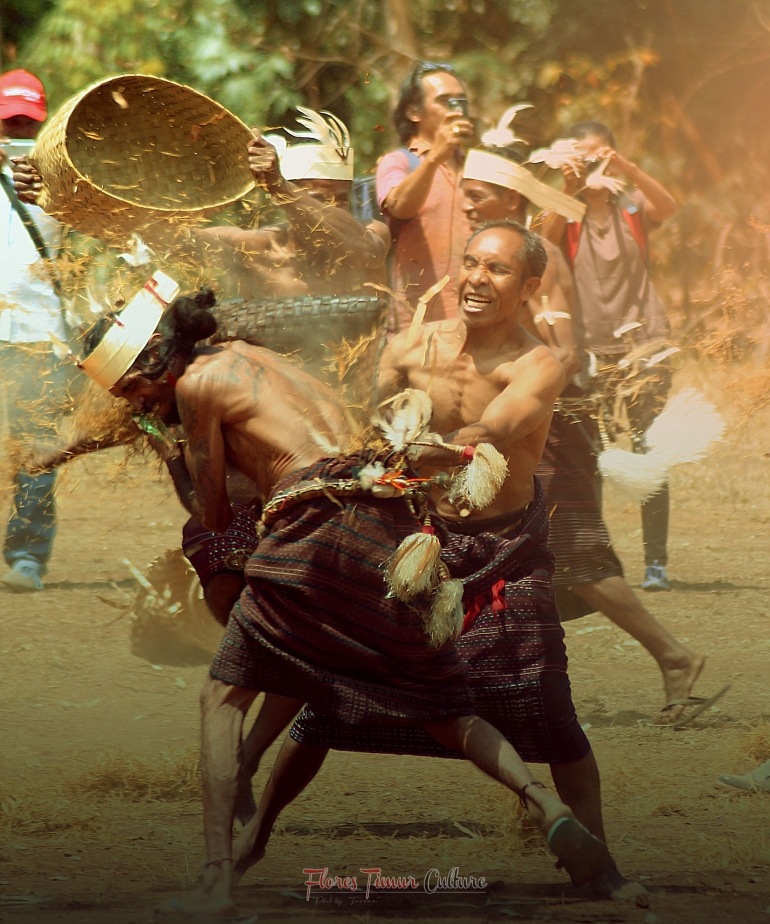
(330, 132)
(686, 428)
(502, 134)
(599, 180)
(477, 484)
(637, 476)
(563, 152)
(61, 349)
(444, 619)
(410, 414)
(415, 567)
(683, 432)
(138, 253)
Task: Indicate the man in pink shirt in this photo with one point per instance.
(418, 187)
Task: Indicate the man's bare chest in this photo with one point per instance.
(460, 393)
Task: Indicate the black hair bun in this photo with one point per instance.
(192, 319)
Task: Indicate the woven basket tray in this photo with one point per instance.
(134, 149)
(318, 331)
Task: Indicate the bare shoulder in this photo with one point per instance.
(381, 232)
(426, 334)
(216, 369)
(538, 364)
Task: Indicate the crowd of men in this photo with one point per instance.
(525, 326)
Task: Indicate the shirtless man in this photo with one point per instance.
(586, 565)
(315, 621)
(490, 381)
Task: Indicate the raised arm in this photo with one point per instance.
(405, 200)
(204, 453)
(331, 232)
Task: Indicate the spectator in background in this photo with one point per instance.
(33, 380)
(418, 187)
(609, 256)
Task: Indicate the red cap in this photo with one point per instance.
(21, 93)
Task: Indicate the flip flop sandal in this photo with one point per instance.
(698, 703)
(577, 850)
(197, 917)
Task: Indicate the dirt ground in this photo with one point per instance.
(100, 812)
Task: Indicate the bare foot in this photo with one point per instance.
(679, 677)
(196, 906)
(611, 884)
(212, 899)
(248, 849)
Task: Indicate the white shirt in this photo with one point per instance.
(29, 306)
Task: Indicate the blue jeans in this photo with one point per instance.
(35, 383)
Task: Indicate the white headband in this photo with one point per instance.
(500, 171)
(129, 335)
(316, 162)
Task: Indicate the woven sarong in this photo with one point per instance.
(218, 553)
(514, 649)
(578, 535)
(315, 622)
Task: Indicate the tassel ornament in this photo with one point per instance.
(444, 619)
(415, 566)
(476, 486)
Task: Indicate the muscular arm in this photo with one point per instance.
(534, 384)
(204, 455)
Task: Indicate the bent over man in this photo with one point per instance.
(315, 621)
(490, 381)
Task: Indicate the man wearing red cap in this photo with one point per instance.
(33, 381)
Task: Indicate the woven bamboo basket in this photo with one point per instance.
(132, 149)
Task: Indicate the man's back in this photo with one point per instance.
(259, 412)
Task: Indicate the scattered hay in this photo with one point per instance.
(35, 810)
(756, 745)
(750, 390)
(135, 779)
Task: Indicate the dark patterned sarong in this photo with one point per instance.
(315, 622)
(219, 553)
(578, 535)
(517, 662)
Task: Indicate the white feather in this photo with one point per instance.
(139, 253)
(330, 132)
(637, 476)
(563, 152)
(60, 348)
(409, 420)
(502, 134)
(96, 307)
(686, 428)
(599, 180)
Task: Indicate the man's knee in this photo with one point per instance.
(217, 694)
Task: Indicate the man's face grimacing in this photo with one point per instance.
(488, 202)
(490, 279)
